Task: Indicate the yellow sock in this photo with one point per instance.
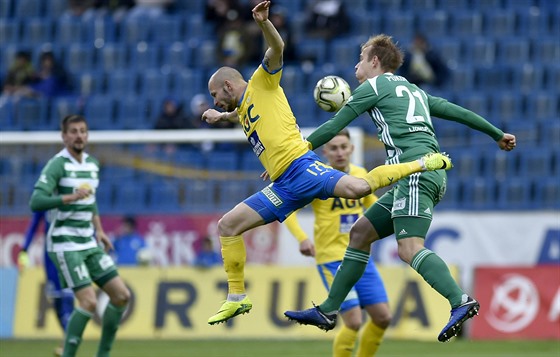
(371, 336)
(343, 344)
(234, 255)
(386, 175)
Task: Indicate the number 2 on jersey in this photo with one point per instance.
(410, 117)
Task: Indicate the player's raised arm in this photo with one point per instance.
(273, 55)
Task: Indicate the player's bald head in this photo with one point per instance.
(225, 73)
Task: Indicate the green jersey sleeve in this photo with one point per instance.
(42, 198)
(441, 108)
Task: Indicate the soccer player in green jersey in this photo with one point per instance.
(333, 219)
(67, 186)
(297, 174)
(401, 112)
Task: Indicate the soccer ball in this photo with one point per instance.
(331, 93)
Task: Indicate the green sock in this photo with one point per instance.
(74, 330)
(111, 320)
(436, 273)
(350, 271)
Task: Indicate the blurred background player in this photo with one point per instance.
(67, 185)
(333, 219)
(62, 299)
(128, 244)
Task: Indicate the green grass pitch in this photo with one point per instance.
(286, 348)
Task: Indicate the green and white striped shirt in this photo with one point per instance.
(71, 227)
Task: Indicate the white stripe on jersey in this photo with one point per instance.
(86, 166)
(77, 182)
(73, 247)
(64, 269)
(413, 194)
(77, 216)
(385, 136)
(73, 231)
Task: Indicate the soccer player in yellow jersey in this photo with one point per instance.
(297, 174)
(333, 219)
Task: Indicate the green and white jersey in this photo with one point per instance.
(401, 113)
(71, 226)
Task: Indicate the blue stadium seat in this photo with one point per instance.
(30, 114)
(547, 193)
(550, 132)
(453, 5)
(63, 106)
(205, 54)
(122, 83)
(291, 6)
(199, 195)
(365, 23)
(88, 83)
(6, 9)
(69, 30)
(154, 82)
(514, 193)
(500, 165)
(21, 197)
(176, 56)
(164, 197)
(478, 193)
(506, 105)
(198, 28)
(80, 58)
(492, 78)
(231, 192)
(134, 30)
(533, 23)
(547, 50)
(388, 5)
(480, 51)
(345, 51)
(542, 105)
(462, 79)
(189, 82)
(132, 113)
(467, 163)
(312, 49)
(535, 162)
(513, 50)
(222, 161)
(293, 80)
(144, 56)
(250, 162)
(9, 31)
(476, 101)
(37, 31)
(400, 25)
(55, 8)
(99, 111)
(452, 197)
(168, 29)
(25, 9)
(466, 24)
(420, 5)
(450, 133)
(433, 24)
(528, 78)
(7, 115)
(499, 23)
(130, 198)
(104, 196)
(552, 77)
(303, 108)
(112, 56)
(526, 132)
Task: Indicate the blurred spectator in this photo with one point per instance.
(422, 65)
(150, 8)
(117, 8)
(199, 104)
(79, 8)
(51, 79)
(172, 116)
(207, 257)
(327, 19)
(129, 244)
(235, 43)
(219, 12)
(19, 76)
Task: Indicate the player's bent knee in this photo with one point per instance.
(354, 324)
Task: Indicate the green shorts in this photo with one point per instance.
(77, 269)
(407, 208)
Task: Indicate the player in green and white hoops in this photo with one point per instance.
(401, 112)
(67, 186)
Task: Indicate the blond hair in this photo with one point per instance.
(389, 54)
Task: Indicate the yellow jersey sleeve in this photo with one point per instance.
(294, 227)
(269, 124)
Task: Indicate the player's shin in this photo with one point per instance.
(344, 341)
(75, 330)
(370, 338)
(386, 175)
(350, 271)
(111, 320)
(234, 256)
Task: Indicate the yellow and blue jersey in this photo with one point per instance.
(269, 124)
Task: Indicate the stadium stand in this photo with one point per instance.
(503, 55)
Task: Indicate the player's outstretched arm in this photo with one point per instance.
(273, 55)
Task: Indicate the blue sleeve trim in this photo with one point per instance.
(268, 71)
